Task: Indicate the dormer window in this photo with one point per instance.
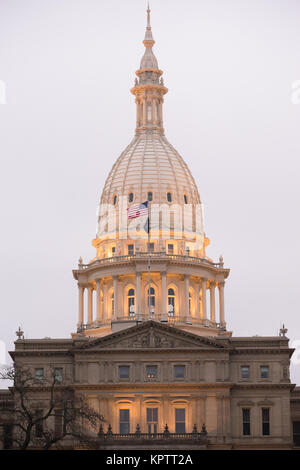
(130, 197)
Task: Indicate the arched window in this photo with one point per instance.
(171, 302)
(169, 197)
(152, 299)
(185, 199)
(150, 196)
(130, 197)
(131, 300)
(112, 299)
(115, 200)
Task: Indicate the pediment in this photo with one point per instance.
(152, 335)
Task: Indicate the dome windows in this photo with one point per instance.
(130, 197)
(169, 197)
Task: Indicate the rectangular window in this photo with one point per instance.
(7, 436)
(152, 420)
(124, 372)
(170, 249)
(130, 250)
(149, 112)
(296, 433)
(264, 372)
(246, 421)
(39, 425)
(39, 374)
(58, 374)
(151, 372)
(124, 422)
(179, 372)
(58, 423)
(180, 420)
(245, 372)
(113, 251)
(265, 413)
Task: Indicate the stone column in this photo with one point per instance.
(90, 304)
(138, 295)
(115, 283)
(203, 290)
(186, 294)
(104, 306)
(80, 305)
(164, 296)
(221, 302)
(98, 319)
(212, 302)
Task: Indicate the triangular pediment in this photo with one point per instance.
(152, 335)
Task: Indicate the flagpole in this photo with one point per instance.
(149, 265)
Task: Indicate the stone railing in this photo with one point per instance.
(172, 320)
(156, 255)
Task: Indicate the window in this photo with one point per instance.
(152, 299)
(245, 372)
(171, 301)
(180, 420)
(112, 299)
(131, 298)
(170, 248)
(149, 112)
(187, 251)
(169, 197)
(150, 196)
(151, 372)
(39, 374)
(113, 251)
(7, 436)
(58, 423)
(152, 420)
(124, 422)
(124, 372)
(151, 247)
(39, 425)
(264, 372)
(58, 374)
(265, 414)
(130, 249)
(246, 421)
(185, 199)
(296, 433)
(179, 372)
(130, 197)
(115, 200)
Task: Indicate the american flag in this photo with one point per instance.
(136, 210)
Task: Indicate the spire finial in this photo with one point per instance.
(148, 17)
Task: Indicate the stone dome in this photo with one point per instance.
(150, 163)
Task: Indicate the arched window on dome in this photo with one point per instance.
(185, 199)
(169, 197)
(152, 299)
(130, 197)
(131, 302)
(171, 302)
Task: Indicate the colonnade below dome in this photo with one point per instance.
(111, 296)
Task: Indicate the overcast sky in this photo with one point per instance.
(68, 66)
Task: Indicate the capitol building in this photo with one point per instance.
(150, 349)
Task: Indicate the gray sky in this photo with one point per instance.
(68, 66)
